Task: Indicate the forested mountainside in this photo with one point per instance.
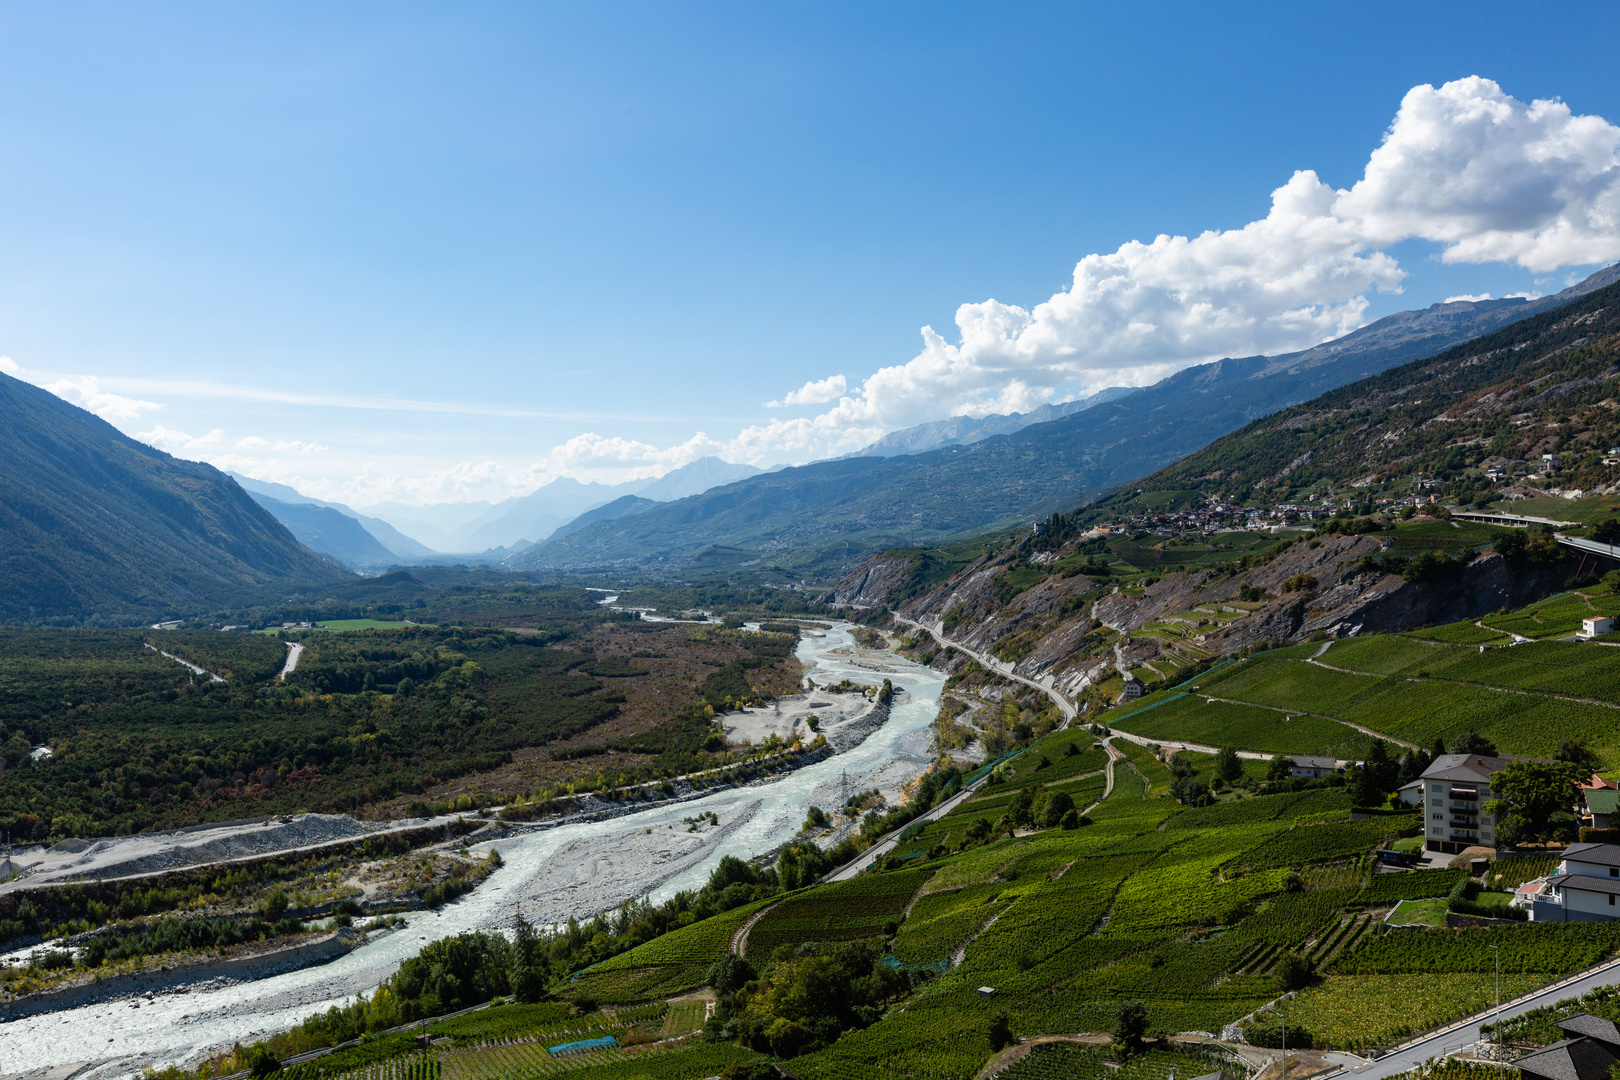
(96, 526)
(831, 513)
(1181, 572)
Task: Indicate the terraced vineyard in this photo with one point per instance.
(846, 911)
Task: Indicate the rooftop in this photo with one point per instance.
(1597, 1027)
(1602, 800)
(1570, 1059)
(1475, 768)
(1586, 883)
(1602, 854)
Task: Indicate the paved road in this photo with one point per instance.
(1591, 547)
(195, 670)
(294, 651)
(1000, 667)
(887, 844)
(1465, 1032)
(1197, 748)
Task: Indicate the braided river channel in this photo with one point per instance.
(548, 875)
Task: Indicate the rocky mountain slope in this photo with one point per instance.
(831, 513)
(1067, 604)
(95, 526)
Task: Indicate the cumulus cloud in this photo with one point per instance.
(1466, 166)
(814, 393)
(1493, 179)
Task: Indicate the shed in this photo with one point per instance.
(987, 992)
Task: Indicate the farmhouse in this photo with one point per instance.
(1596, 625)
(1132, 689)
(1589, 1048)
(1586, 887)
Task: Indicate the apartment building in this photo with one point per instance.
(1455, 790)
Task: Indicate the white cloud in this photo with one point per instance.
(1493, 179)
(84, 391)
(1466, 166)
(1472, 298)
(814, 393)
(179, 443)
(89, 394)
(593, 457)
(257, 442)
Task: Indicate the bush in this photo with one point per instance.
(1267, 1030)
(1000, 1032)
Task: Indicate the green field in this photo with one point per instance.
(1407, 687)
(363, 624)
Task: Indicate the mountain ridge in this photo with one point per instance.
(99, 527)
(832, 513)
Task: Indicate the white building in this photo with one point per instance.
(1311, 767)
(1596, 625)
(1585, 887)
(1455, 790)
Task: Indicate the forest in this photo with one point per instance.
(137, 741)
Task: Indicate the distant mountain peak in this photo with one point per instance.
(964, 430)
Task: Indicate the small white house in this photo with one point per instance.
(1132, 689)
(1412, 794)
(1311, 767)
(1596, 625)
(1586, 887)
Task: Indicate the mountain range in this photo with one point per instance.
(97, 527)
(832, 513)
(962, 430)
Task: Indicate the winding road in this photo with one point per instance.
(1000, 667)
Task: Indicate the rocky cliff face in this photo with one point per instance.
(1078, 631)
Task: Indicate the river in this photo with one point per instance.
(548, 875)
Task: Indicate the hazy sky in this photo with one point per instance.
(452, 251)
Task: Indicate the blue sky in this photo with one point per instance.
(438, 252)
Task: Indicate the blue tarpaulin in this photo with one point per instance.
(583, 1046)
